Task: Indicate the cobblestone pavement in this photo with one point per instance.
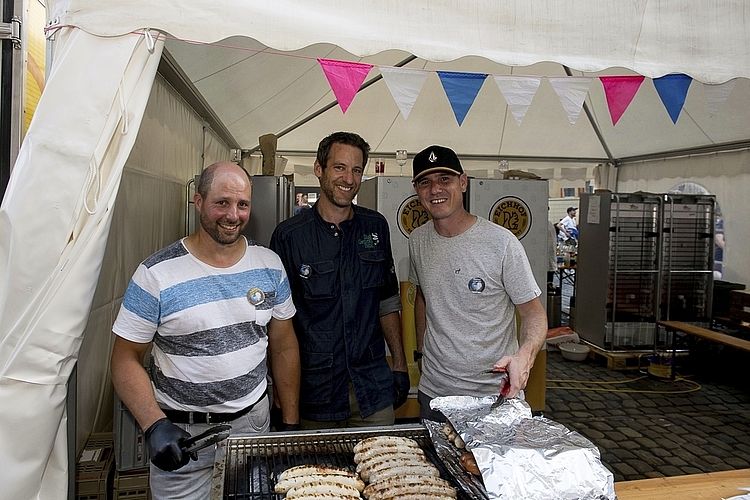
(649, 427)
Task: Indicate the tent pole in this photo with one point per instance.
(325, 108)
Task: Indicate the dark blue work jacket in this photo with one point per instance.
(338, 277)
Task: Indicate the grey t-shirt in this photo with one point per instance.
(471, 283)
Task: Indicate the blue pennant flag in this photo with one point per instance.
(461, 90)
(672, 90)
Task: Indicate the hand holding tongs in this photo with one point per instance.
(194, 444)
(504, 386)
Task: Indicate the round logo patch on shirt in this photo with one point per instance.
(411, 215)
(256, 296)
(305, 270)
(513, 214)
(476, 285)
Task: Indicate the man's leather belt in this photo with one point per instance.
(196, 417)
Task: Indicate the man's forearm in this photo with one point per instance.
(283, 351)
(132, 384)
(391, 326)
(533, 332)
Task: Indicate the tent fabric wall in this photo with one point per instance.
(172, 146)
(52, 247)
(701, 38)
(726, 175)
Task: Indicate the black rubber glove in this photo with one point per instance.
(402, 384)
(164, 439)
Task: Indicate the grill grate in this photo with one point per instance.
(252, 463)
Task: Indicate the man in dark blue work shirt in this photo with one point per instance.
(340, 267)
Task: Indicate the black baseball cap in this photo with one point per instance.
(571, 208)
(434, 159)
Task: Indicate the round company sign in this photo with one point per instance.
(513, 214)
(411, 215)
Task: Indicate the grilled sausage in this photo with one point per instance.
(321, 487)
(385, 440)
(374, 450)
(398, 470)
(369, 461)
(469, 463)
(403, 461)
(324, 496)
(392, 482)
(308, 470)
(413, 489)
(285, 485)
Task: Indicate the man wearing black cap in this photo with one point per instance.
(471, 276)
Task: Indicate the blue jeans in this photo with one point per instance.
(193, 481)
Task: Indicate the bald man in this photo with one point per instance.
(213, 306)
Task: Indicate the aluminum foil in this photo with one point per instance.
(525, 457)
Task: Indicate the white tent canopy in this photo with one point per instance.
(56, 212)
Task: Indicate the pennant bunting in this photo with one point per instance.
(572, 91)
(672, 90)
(716, 95)
(405, 85)
(619, 91)
(461, 90)
(345, 79)
(518, 92)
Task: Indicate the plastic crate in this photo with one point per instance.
(95, 468)
(131, 451)
(132, 484)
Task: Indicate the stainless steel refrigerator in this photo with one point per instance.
(272, 202)
(521, 207)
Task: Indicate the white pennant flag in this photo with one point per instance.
(717, 94)
(405, 85)
(518, 92)
(572, 92)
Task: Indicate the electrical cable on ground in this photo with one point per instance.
(693, 386)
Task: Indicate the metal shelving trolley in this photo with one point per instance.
(642, 257)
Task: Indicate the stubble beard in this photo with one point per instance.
(212, 229)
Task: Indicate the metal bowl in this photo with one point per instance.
(574, 352)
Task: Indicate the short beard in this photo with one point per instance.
(211, 228)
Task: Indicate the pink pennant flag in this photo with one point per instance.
(345, 78)
(620, 91)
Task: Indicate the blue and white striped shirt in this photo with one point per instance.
(209, 339)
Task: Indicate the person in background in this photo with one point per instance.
(340, 265)
(214, 306)
(551, 254)
(302, 203)
(467, 294)
(719, 243)
(567, 226)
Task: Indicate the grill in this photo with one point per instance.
(246, 466)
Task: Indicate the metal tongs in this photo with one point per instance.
(504, 386)
(194, 444)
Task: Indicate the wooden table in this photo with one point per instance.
(711, 486)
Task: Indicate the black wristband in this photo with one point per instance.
(417, 356)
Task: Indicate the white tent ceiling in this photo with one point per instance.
(252, 90)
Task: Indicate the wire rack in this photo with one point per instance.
(247, 466)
